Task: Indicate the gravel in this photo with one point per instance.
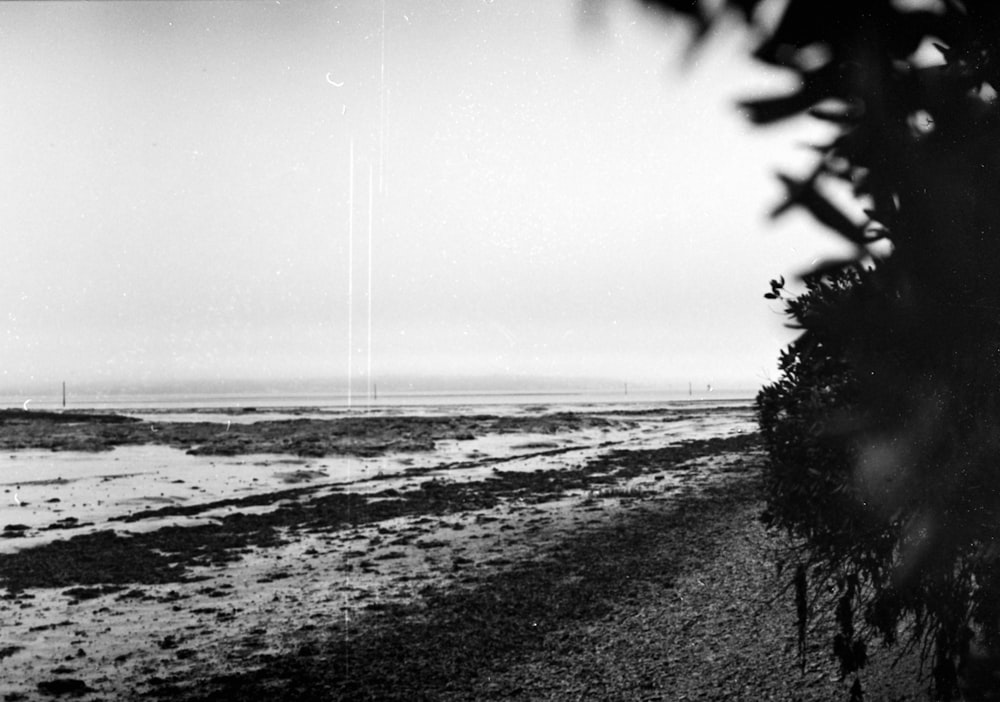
(665, 600)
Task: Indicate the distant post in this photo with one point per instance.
(64, 394)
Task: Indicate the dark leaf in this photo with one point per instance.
(747, 8)
(836, 116)
(816, 86)
(804, 194)
(775, 109)
(686, 8)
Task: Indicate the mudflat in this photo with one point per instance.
(538, 555)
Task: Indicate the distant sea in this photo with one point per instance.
(397, 401)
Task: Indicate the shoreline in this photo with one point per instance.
(483, 560)
(382, 562)
(71, 477)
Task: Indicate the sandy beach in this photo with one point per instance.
(596, 554)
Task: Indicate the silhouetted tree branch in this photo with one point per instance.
(883, 429)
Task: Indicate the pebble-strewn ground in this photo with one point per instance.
(654, 600)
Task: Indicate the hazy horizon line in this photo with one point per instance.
(389, 384)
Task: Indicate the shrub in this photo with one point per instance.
(890, 486)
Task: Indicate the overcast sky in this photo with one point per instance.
(549, 196)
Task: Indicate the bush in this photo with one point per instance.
(802, 418)
(890, 486)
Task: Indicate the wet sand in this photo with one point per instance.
(370, 572)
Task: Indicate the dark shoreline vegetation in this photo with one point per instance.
(167, 554)
(881, 428)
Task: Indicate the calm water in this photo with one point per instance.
(394, 403)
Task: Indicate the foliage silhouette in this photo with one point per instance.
(882, 428)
